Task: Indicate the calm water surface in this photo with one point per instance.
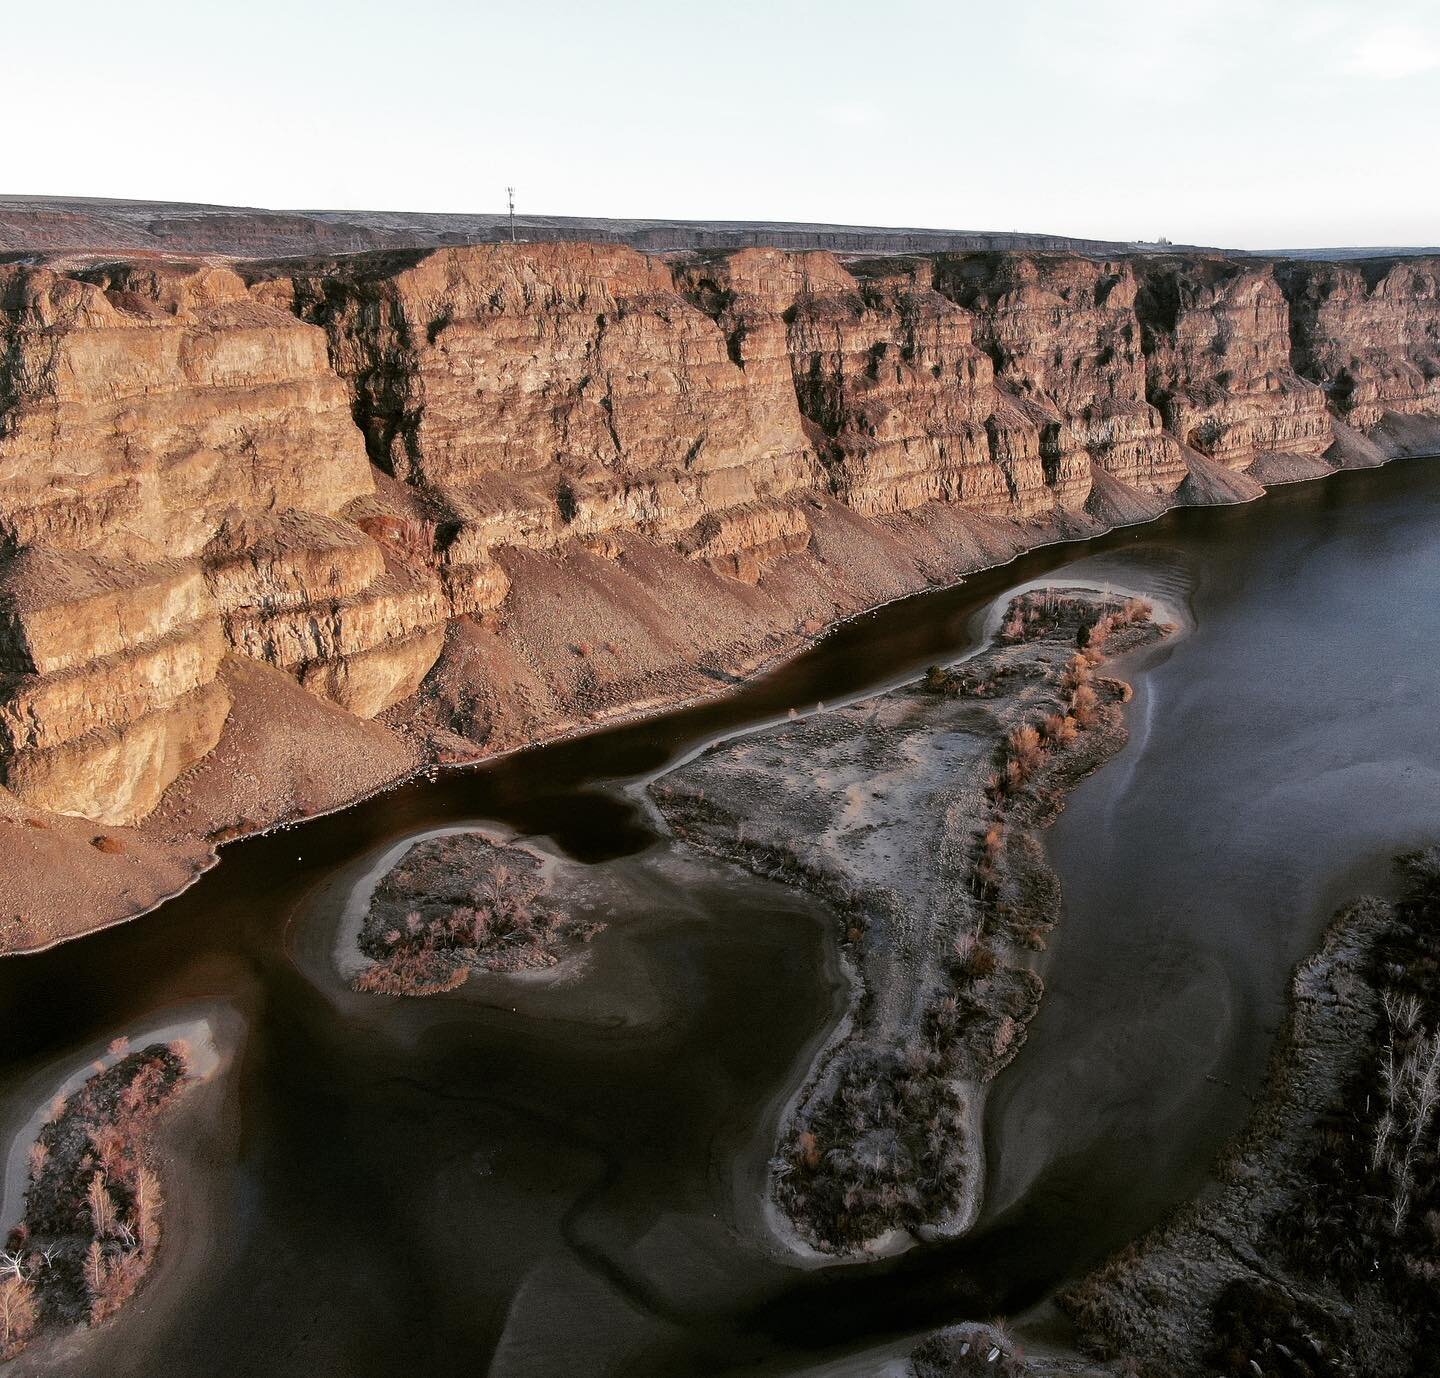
(562, 1177)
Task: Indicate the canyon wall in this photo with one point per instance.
(540, 474)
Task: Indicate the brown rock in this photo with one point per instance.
(685, 468)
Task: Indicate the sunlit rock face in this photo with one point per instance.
(1369, 333)
(175, 456)
(1218, 362)
(1066, 342)
(321, 464)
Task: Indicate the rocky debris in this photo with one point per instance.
(914, 814)
(458, 904)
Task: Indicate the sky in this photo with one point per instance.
(1244, 123)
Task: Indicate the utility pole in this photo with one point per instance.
(510, 193)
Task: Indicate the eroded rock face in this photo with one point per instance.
(546, 393)
(1217, 342)
(174, 451)
(143, 403)
(1067, 344)
(1370, 334)
(321, 464)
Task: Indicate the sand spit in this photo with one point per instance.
(914, 813)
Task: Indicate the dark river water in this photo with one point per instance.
(563, 1177)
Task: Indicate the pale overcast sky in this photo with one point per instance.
(1253, 123)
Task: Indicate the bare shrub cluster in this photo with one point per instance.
(887, 1148)
(458, 904)
(883, 1152)
(1132, 612)
(92, 1207)
(1043, 612)
(968, 1351)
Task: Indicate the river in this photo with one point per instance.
(563, 1177)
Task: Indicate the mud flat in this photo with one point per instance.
(914, 815)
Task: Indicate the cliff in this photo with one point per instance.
(542, 484)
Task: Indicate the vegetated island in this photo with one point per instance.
(1316, 1252)
(915, 814)
(91, 1226)
(461, 903)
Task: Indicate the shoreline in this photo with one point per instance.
(655, 708)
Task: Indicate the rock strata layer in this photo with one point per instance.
(547, 482)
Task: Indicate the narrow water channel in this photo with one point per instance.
(556, 1177)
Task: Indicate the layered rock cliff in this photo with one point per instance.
(551, 482)
(174, 450)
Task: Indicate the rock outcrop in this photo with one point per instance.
(1066, 341)
(174, 450)
(1218, 367)
(1369, 334)
(320, 465)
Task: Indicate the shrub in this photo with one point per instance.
(1258, 1327)
(92, 1205)
(1137, 610)
(19, 1311)
(1076, 673)
(974, 960)
(967, 1351)
(1085, 706)
(1092, 636)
